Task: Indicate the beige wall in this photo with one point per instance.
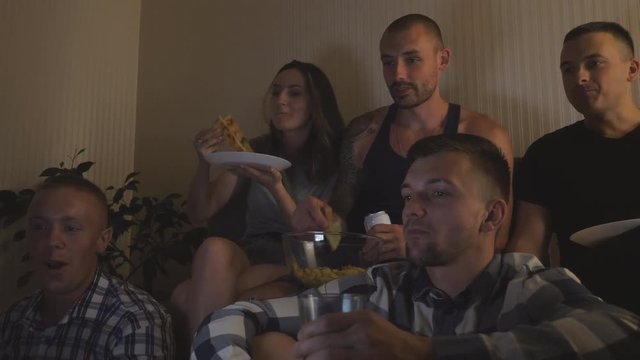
(204, 58)
(68, 80)
(70, 72)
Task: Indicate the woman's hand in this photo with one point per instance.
(207, 141)
(311, 214)
(270, 178)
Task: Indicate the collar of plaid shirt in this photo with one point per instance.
(94, 294)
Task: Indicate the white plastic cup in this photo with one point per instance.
(380, 217)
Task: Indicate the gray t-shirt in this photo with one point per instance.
(264, 214)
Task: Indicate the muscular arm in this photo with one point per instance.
(359, 136)
(531, 232)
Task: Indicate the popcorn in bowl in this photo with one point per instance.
(317, 257)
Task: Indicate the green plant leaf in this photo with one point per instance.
(149, 270)
(24, 279)
(148, 203)
(131, 176)
(8, 196)
(118, 195)
(132, 185)
(173, 196)
(180, 253)
(8, 204)
(48, 172)
(120, 225)
(85, 166)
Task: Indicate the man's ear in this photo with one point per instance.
(444, 57)
(495, 215)
(634, 70)
(104, 239)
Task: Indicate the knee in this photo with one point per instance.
(179, 296)
(214, 249)
(219, 255)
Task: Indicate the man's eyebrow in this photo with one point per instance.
(430, 182)
(405, 53)
(588, 57)
(439, 181)
(410, 52)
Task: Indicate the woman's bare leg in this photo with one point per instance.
(259, 282)
(221, 275)
(217, 265)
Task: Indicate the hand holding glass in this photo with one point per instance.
(312, 306)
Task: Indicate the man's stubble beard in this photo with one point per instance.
(421, 97)
(429, 255)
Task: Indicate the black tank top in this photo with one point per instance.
(383, 172)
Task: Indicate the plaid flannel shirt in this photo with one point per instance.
(111, 320)
(515, 309)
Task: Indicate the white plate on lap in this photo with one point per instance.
(596, 234)
(246, 158)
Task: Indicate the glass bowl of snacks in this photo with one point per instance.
(316, 257)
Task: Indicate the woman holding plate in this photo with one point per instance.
(305, 129)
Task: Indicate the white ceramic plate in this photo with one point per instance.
(247, 158)
(599, 233)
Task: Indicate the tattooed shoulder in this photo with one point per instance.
(365, 125)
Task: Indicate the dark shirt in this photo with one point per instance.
(383, 172)
(583, 179)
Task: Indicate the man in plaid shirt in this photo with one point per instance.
(79, 313)
(453, 298)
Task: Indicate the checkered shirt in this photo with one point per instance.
(515, 309)
(111, 320)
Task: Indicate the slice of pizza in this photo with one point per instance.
(233, 133)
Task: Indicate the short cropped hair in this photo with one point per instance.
(616, 30)
(484, 155)
(79, 183)
(407, 21)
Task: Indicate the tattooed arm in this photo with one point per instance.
(359, 136)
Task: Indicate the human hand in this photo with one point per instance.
(269, 178)
(358, 335)
(207, 141)
(393, 245)
(311, 214)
